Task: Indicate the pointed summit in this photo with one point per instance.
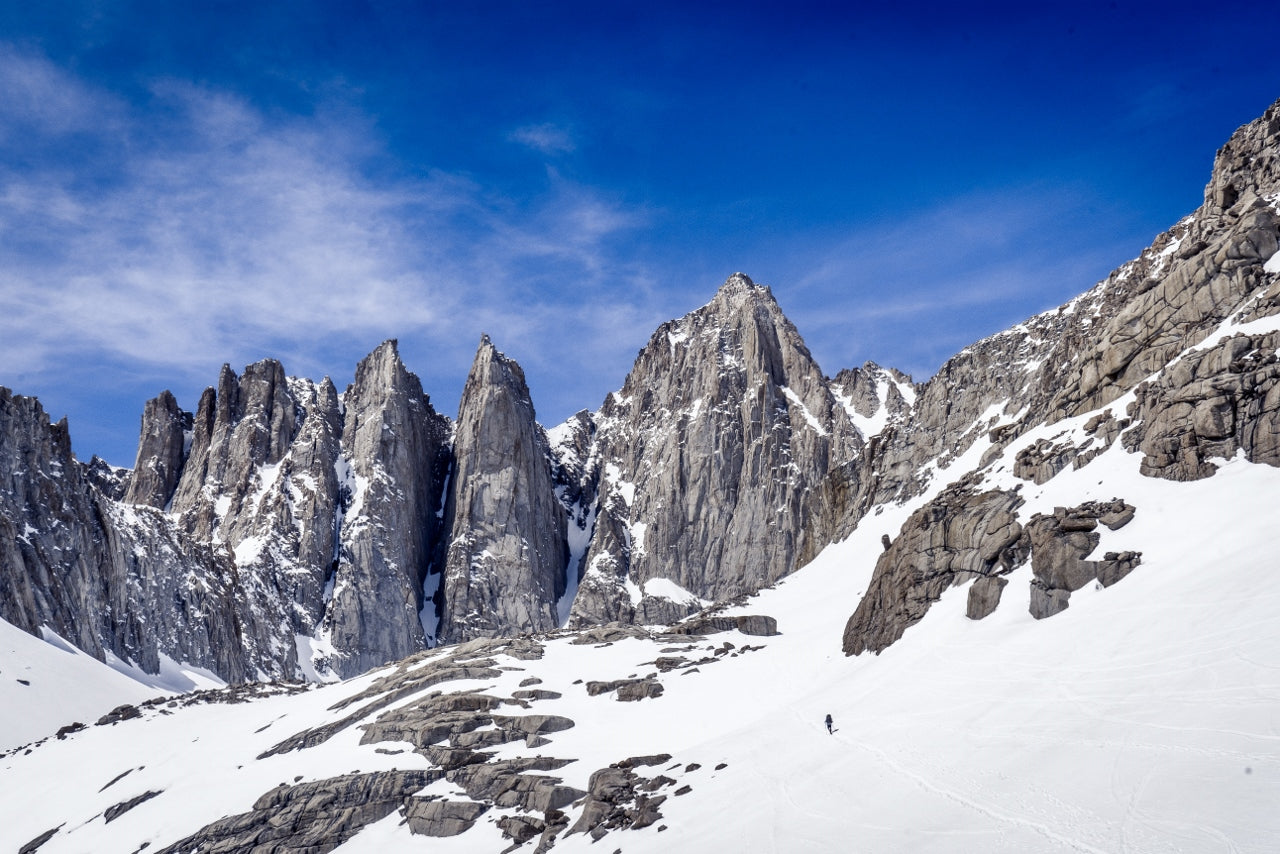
(504, 569)
(394, 454)
(721, 429)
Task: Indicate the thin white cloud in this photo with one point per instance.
(38, 94)
(216, 234)
(546, 138)
(895, 293)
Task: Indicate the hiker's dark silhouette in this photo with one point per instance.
(829, 724)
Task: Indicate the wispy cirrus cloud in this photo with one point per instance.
(546, 138)
(910, 293)
(165, 239)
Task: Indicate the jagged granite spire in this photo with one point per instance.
(506, 555)
(704, 459)
(393, 464)
(107, 576)
(161, 452)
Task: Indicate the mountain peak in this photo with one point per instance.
(738, 289)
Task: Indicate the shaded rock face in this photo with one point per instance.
(54, 566)
(1213, 403)
(394, 464)
(507, 550)
(161, 452)
(1061, 542)
(327, 506)
(102, 575)
(278, 509)
(702, 463)
(958, 536)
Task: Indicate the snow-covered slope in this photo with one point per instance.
(1143, 718)
(48, 683)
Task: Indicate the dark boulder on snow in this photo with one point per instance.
(431, 817)
(959, 535)
(1060, 544)
(310, 817)
(984, 596)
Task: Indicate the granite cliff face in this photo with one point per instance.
(507, 552)
(700, 466)
(107, 576)
(53, 562)
(393, 467)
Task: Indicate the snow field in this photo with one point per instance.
(1144, 718)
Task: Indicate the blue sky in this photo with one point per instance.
(187, 184)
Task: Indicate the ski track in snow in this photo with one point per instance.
(968, 802)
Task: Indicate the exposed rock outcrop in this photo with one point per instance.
(312, 817)
(959, 535)
(1089, 352)
(1059, 545)
(54, 567)
(1142, 330)
(507, 552)
(705, 459)
(106, 576)
(1212, 403)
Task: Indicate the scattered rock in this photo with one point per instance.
(126, 712)
(114, 812)
(65, 731)
(431, 817)
(617, 799)
(629, 690)
(748, 624)
(116, 779)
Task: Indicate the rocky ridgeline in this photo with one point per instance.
(1088, 353)
(107, 576)
(373, 527)
(365, 526)
(1150, 329)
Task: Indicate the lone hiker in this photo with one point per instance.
(829, 724)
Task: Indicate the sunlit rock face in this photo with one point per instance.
(506, 555)
(701, 464)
